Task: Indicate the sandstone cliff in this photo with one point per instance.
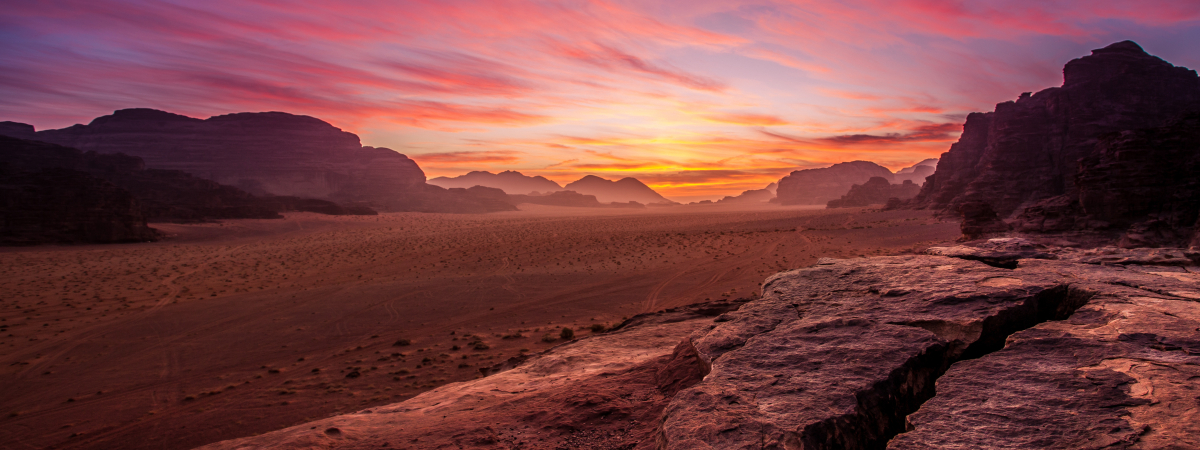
(1048, 151)
(819, 186)
(876, 191)
(67, 206)
(1097, 349)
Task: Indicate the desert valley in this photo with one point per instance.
(594, 249)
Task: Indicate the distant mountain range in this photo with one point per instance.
(819, 186)
(509, 181)
(269, 153)
(623, 190)
(515, 183)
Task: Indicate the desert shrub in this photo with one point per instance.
(599, 328)
(567, 334)
(402, 343)
(548, 337)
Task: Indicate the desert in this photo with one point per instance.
(599, 225)
(230, 329)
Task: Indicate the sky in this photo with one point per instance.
(698, 99)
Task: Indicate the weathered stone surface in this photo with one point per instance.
(902, 352)
(1119, 373)
(819, 186)
(1052, 153)
(978, 219)
(602, 392)
(876, 191)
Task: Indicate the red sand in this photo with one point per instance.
(227, 330)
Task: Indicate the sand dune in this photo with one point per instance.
(231, 329)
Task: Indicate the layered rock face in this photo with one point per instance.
(1141, 181)
(262, 153)
(917, 172)
(511, 182)
(876, 191)
(1063, 349)
(1047, 150)
(819, 186)
(620, 191)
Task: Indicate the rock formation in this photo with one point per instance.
(509, 181)
(622, 191)
(819, 186)
(752, 196)
(270, 153)
(51, 188)
(917, 172)
(1107, 149)
(1097, 349)
(876, 191)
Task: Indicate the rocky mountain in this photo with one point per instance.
(621, 191)
(509, 181)
(1097, 349)
(916, 172)
(876, 191)
(271, 153)
(751, 196)
(51, 188)
(1110, 149)
(819, 186)
(560, 198)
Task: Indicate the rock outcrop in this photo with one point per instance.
(819, 186)
(1109, 149)
(560, 198)
(876, 191)
(620, 191)
(271, 153)
(1097, 349)
(511, 182)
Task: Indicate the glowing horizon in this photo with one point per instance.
(698, 100)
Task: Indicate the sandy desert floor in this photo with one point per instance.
(237, 328)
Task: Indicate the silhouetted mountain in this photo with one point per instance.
(1072, 157)
(509, 181)
(819, 186)
(917, 172)
(271, 153)
(621, 191)
(751, 196)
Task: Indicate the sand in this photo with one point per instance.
(232, 329)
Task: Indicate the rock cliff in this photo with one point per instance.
(1073, 156)
(876, 191)
(819, 186)
(271, 153)
(1098, 349)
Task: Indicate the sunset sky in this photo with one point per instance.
(697, 98)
